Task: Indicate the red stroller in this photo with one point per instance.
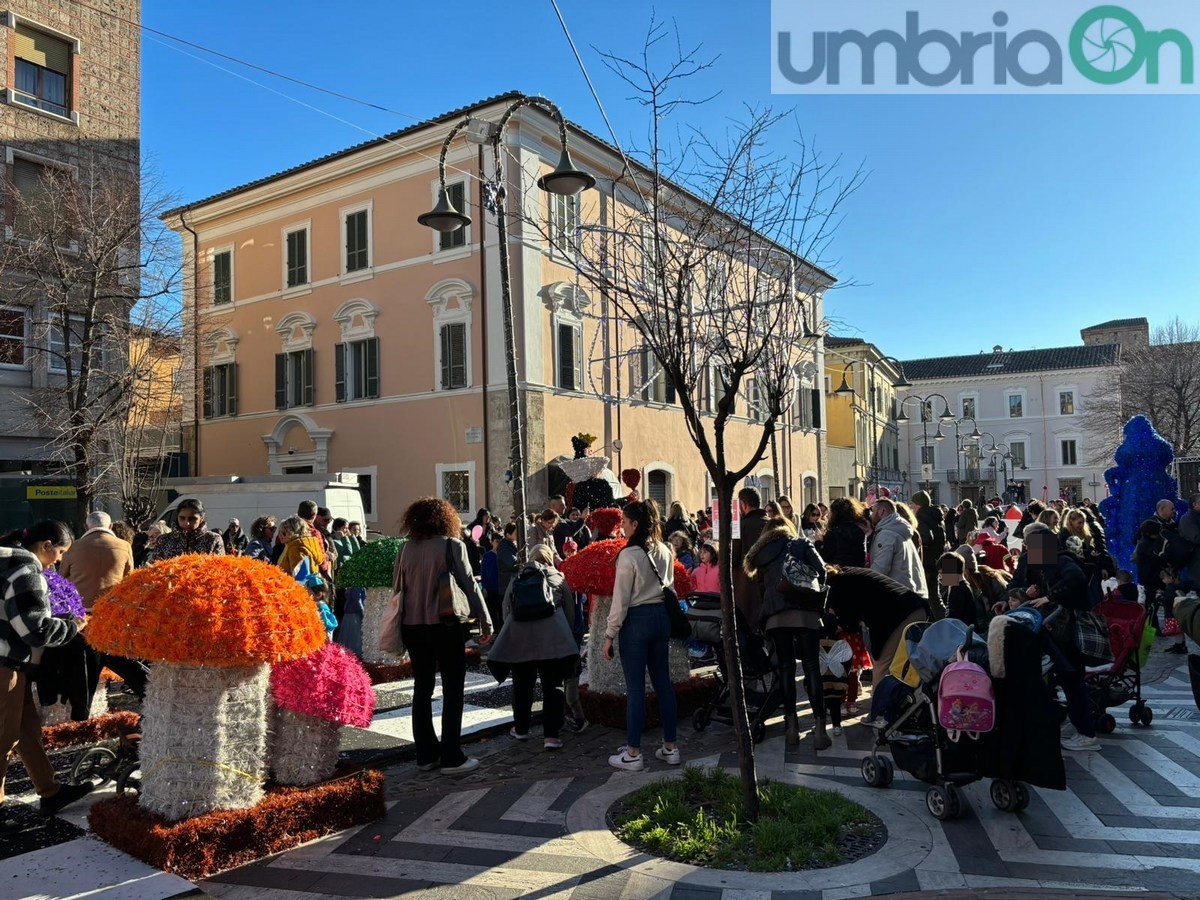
(1120, 681)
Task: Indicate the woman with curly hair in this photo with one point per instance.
(435, 645)
(845, 539)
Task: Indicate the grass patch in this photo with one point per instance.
(700, 819)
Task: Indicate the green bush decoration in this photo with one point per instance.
(372, 566)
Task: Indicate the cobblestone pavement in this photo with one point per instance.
(531, 824)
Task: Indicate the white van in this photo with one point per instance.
(246, 497)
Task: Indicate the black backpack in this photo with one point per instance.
(802, 579)
(532, 598)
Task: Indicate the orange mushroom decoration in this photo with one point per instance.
(211, 626)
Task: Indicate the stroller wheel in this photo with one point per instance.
(871, 771)
(701, 719)
(95, 764)
(758, 731)
(889, 770)
(1141, 714)
(1022, 797)
(1004, 795)
(957, 801)
(1106, 724)
(938, 802)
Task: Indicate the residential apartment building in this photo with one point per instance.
(1029, 405)
(69, 108)
(863, 435)
(328, 331)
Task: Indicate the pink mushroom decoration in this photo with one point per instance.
(313, 697)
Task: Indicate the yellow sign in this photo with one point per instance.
(50, 492)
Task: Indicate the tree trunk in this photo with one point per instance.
(733, 662)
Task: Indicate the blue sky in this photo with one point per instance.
(984, 220)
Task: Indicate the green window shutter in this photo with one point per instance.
(447, 335)
(372, 386)
(208, 392)
(281, 367)
(816, 408)
(566, 358)
(307, 364)
(231, 378)
(43, 50)
(339, 370)
(448, 240)
(458, 354)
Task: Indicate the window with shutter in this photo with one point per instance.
(29, 180)
(564, 222)
(454, 356)
(42, 70)
(297, 257)
(209, 375)
(450, 240)
(281, 380)
(570, 357)
(371, 382)
(340, 393)
(658, 485)
(306, 379)
(222, 276)
(357, 247)
(220, 391)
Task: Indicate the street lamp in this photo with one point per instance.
(926, 404)
(845, 389)
(565, 180)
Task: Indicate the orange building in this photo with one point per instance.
(327, 331)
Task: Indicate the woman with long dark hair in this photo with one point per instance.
(638, 616)
(845, 539)
(435, 644)
(27, 627)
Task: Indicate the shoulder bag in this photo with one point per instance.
(390, 638)
(681, 629)
(453, 606)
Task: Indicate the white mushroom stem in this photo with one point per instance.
(606, 676)
(204, 739)
(374, 609)
(304, 749)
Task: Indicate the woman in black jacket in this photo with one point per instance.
(845, 539)
(794, 631)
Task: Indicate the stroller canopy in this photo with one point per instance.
(938, 645)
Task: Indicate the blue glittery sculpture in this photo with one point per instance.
(1136, 483)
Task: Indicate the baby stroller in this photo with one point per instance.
(914, 737)
(759, 675)
(1120, 681)
(102, 764)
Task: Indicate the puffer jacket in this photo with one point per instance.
(895, 555)
(764, 565)
(26, 624)
(1187, 613)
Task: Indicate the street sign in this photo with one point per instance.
(51, 492)
(927, 471)
(735, 528)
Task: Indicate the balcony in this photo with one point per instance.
(972, 475)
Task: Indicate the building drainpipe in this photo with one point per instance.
(197, 370)
(487, 471)
(1045, 436)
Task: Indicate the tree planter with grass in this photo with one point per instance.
(700, 819)
(211, 626)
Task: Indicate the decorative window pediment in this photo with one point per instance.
(296, 330)
(565, 299)
(451, 298)
(222, 346)
(357, 319)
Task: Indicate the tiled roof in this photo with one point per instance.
(1118, 323)
(395, 135)
(833, 341)
(1010, 362)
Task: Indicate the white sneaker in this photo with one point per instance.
(1080, 742)
(622, 760)
(837, 730)
(1067, 730)
(513, 733)
(670, 757)
(468, 765)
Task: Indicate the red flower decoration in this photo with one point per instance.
(593, 570)
(605, 522)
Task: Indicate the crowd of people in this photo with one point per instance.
(883, 567)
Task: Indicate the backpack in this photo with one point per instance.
(532, 598)
(802, 577)
(966, 701)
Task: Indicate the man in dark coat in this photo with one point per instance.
(932, 531)
(745, 590)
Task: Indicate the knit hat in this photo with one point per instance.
(922, 498)
(969, 557)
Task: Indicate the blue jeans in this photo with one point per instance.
(645, 645)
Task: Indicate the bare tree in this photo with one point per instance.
(1160, 380)
(709, 253)
(91, 261)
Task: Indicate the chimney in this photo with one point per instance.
(998, 349)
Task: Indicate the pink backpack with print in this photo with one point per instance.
(966, 701)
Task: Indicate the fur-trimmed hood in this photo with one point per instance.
(772, 531)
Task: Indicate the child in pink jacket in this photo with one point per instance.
(706, 577)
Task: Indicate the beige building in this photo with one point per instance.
(69, 112)
(328, 331)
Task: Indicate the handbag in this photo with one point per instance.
(390, 639)
(802, 576)
(681, 629)
(453, 606)
(1090, 633)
